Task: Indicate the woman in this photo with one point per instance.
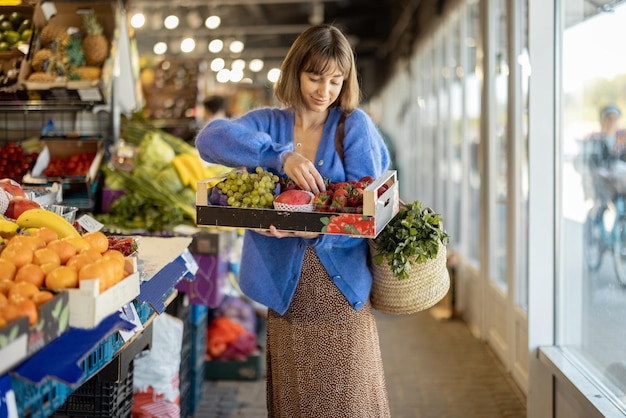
(323, 354)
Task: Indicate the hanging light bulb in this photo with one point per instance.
(217, 64)
(256, 65)
(138, 20)
(273, 74)
(187, 45)
(212, 22)
(238, 64)
(223, 75)
(235, 47)
(171, 22)
(216, 45)
(159, 48)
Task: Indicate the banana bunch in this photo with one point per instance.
(38, 218)
(192, 169)
(8, 228)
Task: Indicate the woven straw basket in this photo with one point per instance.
(427, 284)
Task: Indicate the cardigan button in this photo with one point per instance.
(357, 305)
(320, 162)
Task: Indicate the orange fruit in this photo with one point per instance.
(48, 267)
(98, 240)
(46, 255)
(3, 300)
(77, 261)
(19, 254)
(7, 269)
(62, 277)
(99, 269)
(25, 289)
(63, 248)
(6, 285)
(42, 297)
(78, 242)
(28, 308)
(92, 253)
(32, 273)
(47, 234)
(11, 312)
(116, 256)
(33, 242)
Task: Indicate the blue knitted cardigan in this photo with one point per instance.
(270, 267)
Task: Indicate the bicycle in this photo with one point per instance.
(598, 238)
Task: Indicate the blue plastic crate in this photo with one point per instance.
(102, 354)
(198, 313)
(195, 389)
(144, 310)
(39, 400)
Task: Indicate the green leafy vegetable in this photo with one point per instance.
(155, 152)
(412, 236)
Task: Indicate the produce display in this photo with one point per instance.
(65, 54)
(242, 189)
(15, 161)
(15, 28)
(164, 173)
(72, 166)
(42, 253)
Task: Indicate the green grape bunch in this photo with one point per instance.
(249, 190)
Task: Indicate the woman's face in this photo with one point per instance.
(319, 91)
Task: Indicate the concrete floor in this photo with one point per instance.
(434, 368)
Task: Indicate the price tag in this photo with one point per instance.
(90, 95)
(89, 224)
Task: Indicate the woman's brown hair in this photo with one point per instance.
(314, 51)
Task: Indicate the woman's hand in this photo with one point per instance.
(273, 232)
(303, 173)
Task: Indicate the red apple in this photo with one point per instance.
(19, 205)
(12, 187)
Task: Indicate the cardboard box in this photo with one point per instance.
(65, 147)
(70, 14)
(377, 212)
(53, 321)
(13, 344)
(88, 306)
(250, 369)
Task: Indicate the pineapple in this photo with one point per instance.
(40, 58)
(51, 32)
(95, 44)
(86, 73)
(74, 52)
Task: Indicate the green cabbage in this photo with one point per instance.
(155, 152)
(170, 179)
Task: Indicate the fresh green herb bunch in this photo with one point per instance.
(412, 236)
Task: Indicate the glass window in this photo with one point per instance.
(499, 226)
(592, 254)
(455, 70)
(472, 110)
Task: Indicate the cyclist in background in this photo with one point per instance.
(601, 150)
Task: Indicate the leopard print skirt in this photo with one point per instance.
(323, 357)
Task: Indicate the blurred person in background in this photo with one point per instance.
(215, 107)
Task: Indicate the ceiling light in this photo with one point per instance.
(235, 75)
(171, 22)
(223, 75)
(138, 20)
(256, 65)
(238, 64)
(159, 48)
(273, 74)
(212, 22)
(187, 45)
(217, 64)
(216, 45)
(236, 47)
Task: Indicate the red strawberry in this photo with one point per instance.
(322, 198)
(355, 197)
(367, 180)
